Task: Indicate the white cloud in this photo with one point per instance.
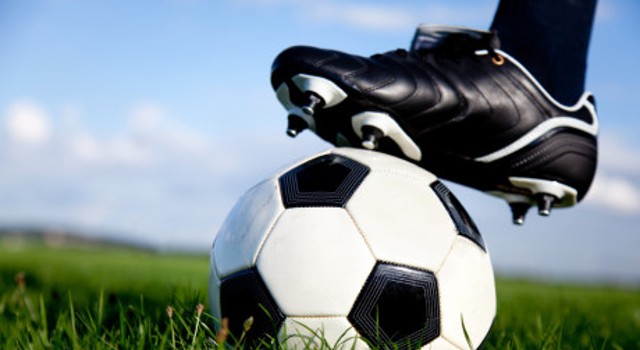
(366, 16)
(152, 179)
(397, 17)
(150, 126)
(476, 14)
(26, 122)
(615, 193)
(616, 186)
(149, 137)
(85, 146)
(605, 11)
(617, 154)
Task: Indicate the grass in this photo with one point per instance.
(109, 298)
(554, 316)
(114, 298)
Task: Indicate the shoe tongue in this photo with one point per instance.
(453, 39)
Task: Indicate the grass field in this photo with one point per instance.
(116, 298)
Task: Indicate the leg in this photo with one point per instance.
(551, 39)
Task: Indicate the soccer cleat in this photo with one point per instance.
(454, 104)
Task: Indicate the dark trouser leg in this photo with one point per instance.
(550, 38)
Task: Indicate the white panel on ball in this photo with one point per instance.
(246, 227)
(465, 279)
(402, 219)
(310, 332)
(315, 262)
(383, 162)
(442, 344)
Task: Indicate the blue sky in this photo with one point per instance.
(148, 119)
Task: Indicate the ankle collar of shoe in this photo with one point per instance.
(453, 39)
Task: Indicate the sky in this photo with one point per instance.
(146, 120)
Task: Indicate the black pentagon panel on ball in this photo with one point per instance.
(461, 218)
(243, 295)
(326, 181)
(398, 307)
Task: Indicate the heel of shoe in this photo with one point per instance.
(545, 194)
(566, 196)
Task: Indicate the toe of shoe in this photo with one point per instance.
(297, 59)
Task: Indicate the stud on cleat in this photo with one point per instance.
(543, 193)
(387, 127)
(370, 136)
(321, 88)
(545, 203)
(519, 204)
(562, 195)
(519, 212)
(314, 102)
(296, 125)
(306, 121)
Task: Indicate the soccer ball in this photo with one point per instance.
(352, 249)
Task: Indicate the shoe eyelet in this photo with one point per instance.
(497, 60)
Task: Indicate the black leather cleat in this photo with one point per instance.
(454, 104)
